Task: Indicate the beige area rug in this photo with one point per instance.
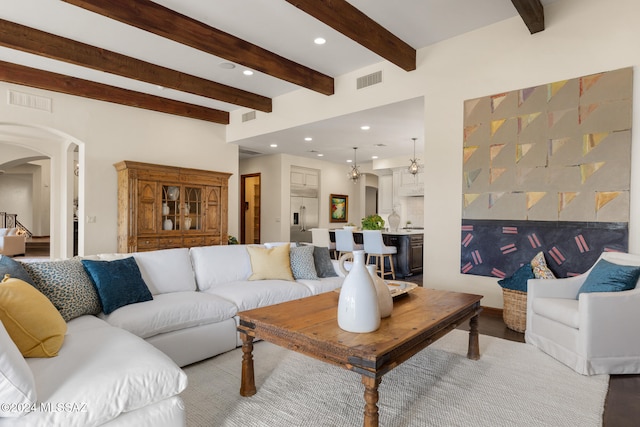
(512, 384)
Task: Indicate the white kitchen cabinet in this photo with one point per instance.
(410, 185)
(304, 177)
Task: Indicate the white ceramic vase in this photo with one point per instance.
(165, 209)
(394, 220)
(168, 224)
(358, 309)
(187, 223)
(385, 300)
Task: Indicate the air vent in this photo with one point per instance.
(30, 101)
(251, 115)
(247, 152)
(370, 79)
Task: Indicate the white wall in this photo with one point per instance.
(108, 133)
(276, 185)
(581, 37)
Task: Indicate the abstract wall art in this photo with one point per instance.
(547, 168)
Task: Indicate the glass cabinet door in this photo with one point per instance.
(192, 209)
(170, 207)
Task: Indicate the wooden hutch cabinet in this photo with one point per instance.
(161, 207)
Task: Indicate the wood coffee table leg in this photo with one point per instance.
(371, 401)
(247, 384)
(474, 348)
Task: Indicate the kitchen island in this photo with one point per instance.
(409, 242)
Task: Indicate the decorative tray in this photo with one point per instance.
(399, 289)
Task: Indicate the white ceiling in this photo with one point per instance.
(276, 26)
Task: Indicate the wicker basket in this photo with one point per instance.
(514, 312)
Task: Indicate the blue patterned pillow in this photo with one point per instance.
(518, 280)
(67, 286)
(302, 264)
(118, 282)
(608, 277)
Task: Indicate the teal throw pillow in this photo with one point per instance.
(518, 280)
(14, 269)
(118, 283)
(608, 277)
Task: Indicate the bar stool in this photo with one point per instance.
(320, 237)
(345, 242)
(375, 247)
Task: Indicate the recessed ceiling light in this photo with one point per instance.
(319, 40)
(227, 65)
(273, 145)
(349, 160)
(247, 73)
(308, 139)
(374, 157)
(365, 127)
(320, 155)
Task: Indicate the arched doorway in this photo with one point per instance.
(64, 153)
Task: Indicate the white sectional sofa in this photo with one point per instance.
(113, 359)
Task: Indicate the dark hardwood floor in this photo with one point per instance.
(622, 405)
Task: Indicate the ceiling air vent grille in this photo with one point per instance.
(248, 152)
(251, 115)
(30, 101)
(369, 79)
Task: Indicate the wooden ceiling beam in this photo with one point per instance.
(27, 76)
(532, 13)
(346, 19)
(26, 39)
(159, 20)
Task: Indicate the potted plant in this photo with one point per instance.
(373, 222)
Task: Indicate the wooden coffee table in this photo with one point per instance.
(309, 326)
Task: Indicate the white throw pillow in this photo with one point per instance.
(17, 385)
(12, 231)
(3, 231)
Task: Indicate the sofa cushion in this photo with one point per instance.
(562, 310)
(103, 371)
(270, 263)
(167, 270)
(322, 261)
(609, 277)
(118, 282)
(302, 263)
(322, 285)
(164, 270)
(3, 232)
(14, 268)
(67, 285)
(33, 323)
(17, 385)
(171, 312)
(211, 264)
(253, 294)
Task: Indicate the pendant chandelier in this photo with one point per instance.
(414, 167)
(354, 174)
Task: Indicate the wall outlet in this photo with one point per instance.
(91, 219)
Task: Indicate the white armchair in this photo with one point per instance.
(13, 245)
(596, 333)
